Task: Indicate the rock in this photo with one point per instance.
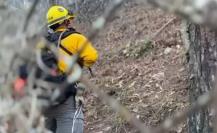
(136, 110)
(138, 116)
(178, 46)
(100, 132)
(167, 50)
(159, 76)
(107, 129)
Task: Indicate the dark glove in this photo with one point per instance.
(80, 62)
(23, 72)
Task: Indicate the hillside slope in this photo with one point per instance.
(148, 78)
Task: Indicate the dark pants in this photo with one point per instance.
(65, 118)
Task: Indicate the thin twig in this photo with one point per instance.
(33, 111)
(30, 14)
(162, 28)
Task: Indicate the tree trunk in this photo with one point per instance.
(202, 66)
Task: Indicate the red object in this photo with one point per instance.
(53, 72)
(19, 85)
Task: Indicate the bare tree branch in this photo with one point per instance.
(198, 11)
(29, 15)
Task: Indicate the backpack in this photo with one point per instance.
(54, 38)
(49, 58)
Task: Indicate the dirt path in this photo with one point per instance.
(151, 85)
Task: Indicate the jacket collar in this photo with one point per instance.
(61, 29)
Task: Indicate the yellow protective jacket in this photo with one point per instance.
(73, 43)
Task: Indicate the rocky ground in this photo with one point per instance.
(148, 75)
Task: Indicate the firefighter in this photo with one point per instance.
(66, 115)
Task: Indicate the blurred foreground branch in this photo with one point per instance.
(199, 13)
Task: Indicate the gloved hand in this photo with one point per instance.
(80, 62)
(18, 86)
(20, 82)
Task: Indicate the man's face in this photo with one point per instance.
(71, 21)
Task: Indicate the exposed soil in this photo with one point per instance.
(152, 84)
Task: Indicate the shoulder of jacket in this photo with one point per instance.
(76, 36)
